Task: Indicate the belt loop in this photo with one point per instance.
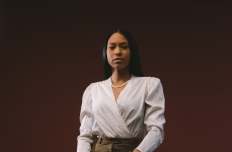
(100, 140)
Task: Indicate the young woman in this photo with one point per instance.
(126, 110)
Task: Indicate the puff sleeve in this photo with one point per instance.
(154, 116)
(85, 138)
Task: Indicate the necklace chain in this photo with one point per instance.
(122, 84)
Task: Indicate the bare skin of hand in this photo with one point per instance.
(136, 150)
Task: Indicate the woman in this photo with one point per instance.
(125, 111)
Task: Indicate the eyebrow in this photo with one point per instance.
(119, 43)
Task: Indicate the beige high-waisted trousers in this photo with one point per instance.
(115, 145)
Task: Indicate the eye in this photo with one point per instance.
(111, 47)
(124, 47)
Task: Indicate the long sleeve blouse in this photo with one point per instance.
(137, 113)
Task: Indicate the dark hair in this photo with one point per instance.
(134, 65)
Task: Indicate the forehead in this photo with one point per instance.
(117, 38)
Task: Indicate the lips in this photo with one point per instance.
(118, 59)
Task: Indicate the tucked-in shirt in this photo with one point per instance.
(137, 113)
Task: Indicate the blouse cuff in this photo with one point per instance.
(151, 141)
(84, 144)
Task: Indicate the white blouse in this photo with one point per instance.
(137, 113)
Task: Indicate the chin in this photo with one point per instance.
(120, 68)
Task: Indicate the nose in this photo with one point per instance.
(117, 51)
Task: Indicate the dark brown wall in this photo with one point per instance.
(50, 52)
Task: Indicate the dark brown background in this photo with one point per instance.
(50, 52)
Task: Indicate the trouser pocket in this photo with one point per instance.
(102, 148)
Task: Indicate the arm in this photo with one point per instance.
(85, 138)
(154, 116)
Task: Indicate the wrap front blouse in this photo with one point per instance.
(137, 113)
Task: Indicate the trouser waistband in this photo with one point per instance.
(118, 141)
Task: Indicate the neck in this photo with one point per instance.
(120, 76)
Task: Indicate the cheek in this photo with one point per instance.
(128, 56)
(108, 56)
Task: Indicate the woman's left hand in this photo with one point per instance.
(136, 150)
